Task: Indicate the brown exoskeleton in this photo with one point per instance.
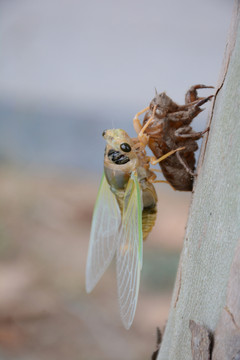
(166, 126)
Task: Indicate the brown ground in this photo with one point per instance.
(44, 310)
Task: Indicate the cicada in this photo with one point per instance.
(168, 127)
(124, 214)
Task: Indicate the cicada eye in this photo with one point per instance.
(125, 147)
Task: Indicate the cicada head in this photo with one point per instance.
(120, 158)
(119, 148)
(163, 104)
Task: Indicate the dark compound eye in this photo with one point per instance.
(125, 147)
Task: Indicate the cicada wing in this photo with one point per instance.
(129, 251)
(104, 234)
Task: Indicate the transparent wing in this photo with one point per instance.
(129, 251)
(104, 234)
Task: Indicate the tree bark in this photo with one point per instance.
(206, 293)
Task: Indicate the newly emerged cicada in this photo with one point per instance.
(124, 214)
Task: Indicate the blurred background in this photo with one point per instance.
(68, 70)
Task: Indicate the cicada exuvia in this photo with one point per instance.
(168, 127)
(124, 214)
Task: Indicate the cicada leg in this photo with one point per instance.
(192, 95)
(153, 181)
(186, 132)
(148, 122)
(155, 161)
(165, 182)
(136, 122)
(187, 168)
(156, 170)
(143, 138)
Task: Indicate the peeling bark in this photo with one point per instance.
(200, 342)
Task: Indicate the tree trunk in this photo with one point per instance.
(206, 296)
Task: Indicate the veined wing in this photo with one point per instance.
(129, 251)
(104, 234)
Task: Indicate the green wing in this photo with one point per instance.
(104, 234)
(129, 251)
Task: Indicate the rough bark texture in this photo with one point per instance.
(200, 341)
(227, 334)
(213, 229)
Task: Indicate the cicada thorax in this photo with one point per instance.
(120, 160)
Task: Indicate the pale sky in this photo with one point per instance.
(78, 52)
(71, 68)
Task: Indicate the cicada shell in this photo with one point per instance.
(168, 129)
